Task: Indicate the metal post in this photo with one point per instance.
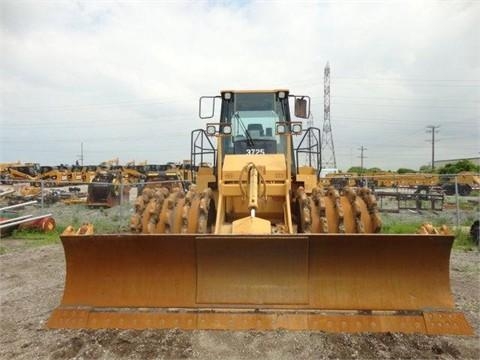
(201, 151)
(309, 148)
(41, 193)
(18, 205)
(457, 201)
(433, 149)
(121, 197)
(20, 221)
(396, 183)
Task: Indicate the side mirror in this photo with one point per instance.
(206, 107)
(302, 107)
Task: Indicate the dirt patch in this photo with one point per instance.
(31, 284)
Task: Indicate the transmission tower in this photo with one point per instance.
(328, 150)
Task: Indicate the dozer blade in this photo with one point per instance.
(322, 282)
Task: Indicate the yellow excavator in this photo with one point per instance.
(257, 243)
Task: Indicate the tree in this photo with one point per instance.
(406, 170)
(356, 169)
(359, 170)
(426, 169)
(462, 165)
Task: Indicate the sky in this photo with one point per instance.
(124, 77)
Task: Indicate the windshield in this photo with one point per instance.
(253, 117)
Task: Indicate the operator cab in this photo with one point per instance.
(251, 123)
(253, 117)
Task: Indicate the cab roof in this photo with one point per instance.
(253, 91)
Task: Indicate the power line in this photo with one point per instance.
(76, 107)
(100, 122)
(360, 81)
(457, 121)
(154, 101)
(91, 139)
(415, 79)
(397, 98)
(183, 117)
(419, 106)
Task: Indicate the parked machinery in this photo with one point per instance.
(105, 188)
(76, 174)
(11, 172)
(466, 181)
(89, 172)
(54, 175)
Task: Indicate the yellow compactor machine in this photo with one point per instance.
(256, 244)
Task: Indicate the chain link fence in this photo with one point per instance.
(109, 206)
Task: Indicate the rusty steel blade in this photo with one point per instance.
(135, 280)
(434, 323)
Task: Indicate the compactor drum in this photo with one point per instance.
(256, 243)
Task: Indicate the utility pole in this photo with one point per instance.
(432, 129)
(362, 156)
(81, 154)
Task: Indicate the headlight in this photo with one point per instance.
(281, 129)
(227, 129)
(227, 96)
(281, 94)
(297, 128)
(211, 130)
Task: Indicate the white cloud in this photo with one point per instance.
(124, 77)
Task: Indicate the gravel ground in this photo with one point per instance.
(31, 283)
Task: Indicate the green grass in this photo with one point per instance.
(475, 193)
(401, 228)
(37, 238)
(24, 239)
(467, 205)
(468, 221)
(114, 223)
(106, 226)
(463, 241)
